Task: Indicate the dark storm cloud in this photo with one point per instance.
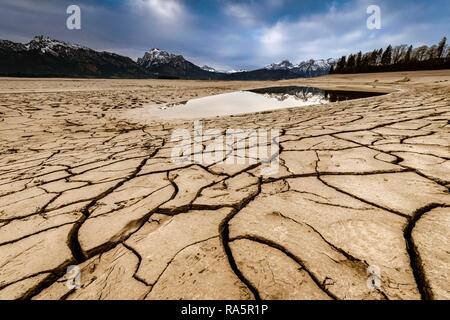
(229, 33)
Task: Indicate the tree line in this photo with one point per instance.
(399, 58)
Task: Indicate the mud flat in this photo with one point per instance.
(363, 185)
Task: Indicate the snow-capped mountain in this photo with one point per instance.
(48, 45)
(156, 57)
(211, 69)
(315, 67)
(283, 65)
(308, 68)
(287, 70)
(167, 65)
(44, 56)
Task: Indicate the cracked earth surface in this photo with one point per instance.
(361, 183)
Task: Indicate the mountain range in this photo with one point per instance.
(310, 68)
(45, 57)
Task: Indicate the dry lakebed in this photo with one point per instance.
(362, 191)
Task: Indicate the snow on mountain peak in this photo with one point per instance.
(283, 65)
(155, 57)
(208, 68)
(315, 65)
(308, 67)
(48, 45)
(236, 71)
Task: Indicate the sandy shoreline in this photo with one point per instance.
(363, 185)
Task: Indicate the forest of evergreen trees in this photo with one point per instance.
(400, 58)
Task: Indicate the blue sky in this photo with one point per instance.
(230, 34)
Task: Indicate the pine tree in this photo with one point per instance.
(332, 69)
(340, 66)
(441, 47)
(365, 63)
(358, 60)
(373, 57)
(387, 56)
(351, 61)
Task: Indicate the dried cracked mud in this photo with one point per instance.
(362, 183)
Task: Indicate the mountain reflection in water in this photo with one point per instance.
(307, 93)
(250, 101)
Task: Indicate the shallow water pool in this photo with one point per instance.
(251, 101)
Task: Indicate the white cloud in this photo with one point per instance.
(242, 12)
(165, 10)
(273, 38)
(323, 35)
(157, 23)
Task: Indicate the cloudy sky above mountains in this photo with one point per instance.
(230, 34)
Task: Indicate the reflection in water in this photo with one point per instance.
(284, 93)
(256, 100)
(308, 93)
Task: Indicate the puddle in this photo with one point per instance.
(250, 101)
